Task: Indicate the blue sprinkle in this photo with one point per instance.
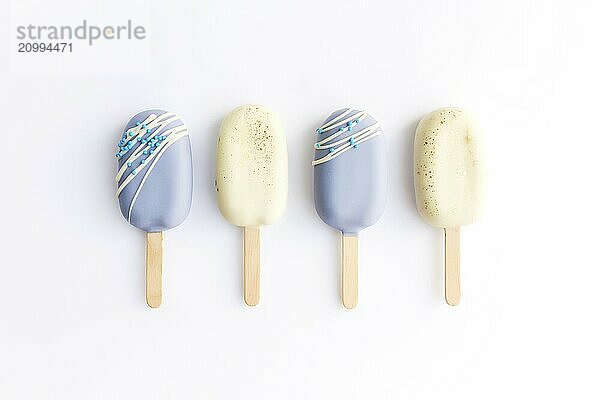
(133, 172)
(319, 130)
(139, 139)
(118, 155)
(157, 144)
(143, 161)
(151, 151)
(317, 145)
(146, 152)
(131, 133)
(331, 150)
(129, 164)
(148, 130)
(144, 140)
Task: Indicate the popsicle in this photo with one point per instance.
(251, 181)
(350, 184)
(154, 184)
(449, 182)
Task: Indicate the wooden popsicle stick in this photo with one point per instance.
(452, 265)
(251, 265)
(154, 260)
(349, 271)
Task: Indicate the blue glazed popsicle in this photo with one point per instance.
(154, 184)
(350, 184)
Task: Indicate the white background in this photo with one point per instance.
(73, 322)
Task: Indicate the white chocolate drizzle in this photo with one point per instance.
(344, 123)
(153, 145)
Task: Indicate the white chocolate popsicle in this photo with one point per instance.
(449, 182)
(251, 181)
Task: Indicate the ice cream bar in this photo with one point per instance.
(154, 184)
(449, 182)
(350, 184)
(251, 181)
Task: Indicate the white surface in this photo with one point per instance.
(73, 323)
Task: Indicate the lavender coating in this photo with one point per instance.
(350, 189)
(165, 197)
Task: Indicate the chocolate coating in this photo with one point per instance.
(350, 190)
(165, 198)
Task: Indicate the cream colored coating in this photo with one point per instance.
(448, 168)
(252, 167)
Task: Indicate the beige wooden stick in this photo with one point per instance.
(349, 271)
(452, 265)
(251, 265)
(154, 260)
